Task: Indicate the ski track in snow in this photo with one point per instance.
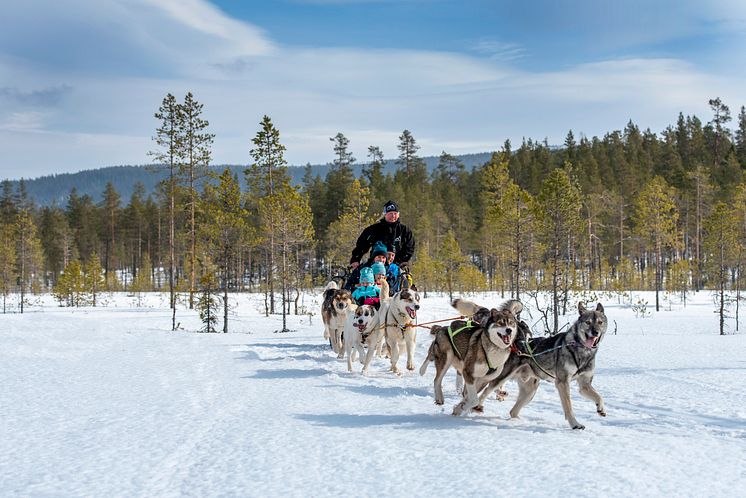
(108, 402)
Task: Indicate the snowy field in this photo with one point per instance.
(108, 402)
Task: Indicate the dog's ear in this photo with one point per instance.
(581, 308)
(414, 287)
(600, 308)
(405, 284)
(482, 316)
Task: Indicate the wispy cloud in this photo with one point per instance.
(31, 121)
(46, 97)
(60, 116)
(500, 51)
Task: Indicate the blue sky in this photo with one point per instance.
(81, 79)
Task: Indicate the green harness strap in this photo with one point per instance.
(452, 334)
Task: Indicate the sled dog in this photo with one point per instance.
(561, 359)
(476, 348)
(396, 328)
(337, 304)
(359, 328)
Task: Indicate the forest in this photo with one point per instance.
(634, 209)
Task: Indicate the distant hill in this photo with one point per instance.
(54, 189)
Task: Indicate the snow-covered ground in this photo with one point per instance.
(109, 402)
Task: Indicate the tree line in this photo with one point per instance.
(633, 209)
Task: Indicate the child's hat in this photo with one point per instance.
(366, 276)
(378, 268)
(379, 249)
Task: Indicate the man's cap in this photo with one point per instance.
(389, 207)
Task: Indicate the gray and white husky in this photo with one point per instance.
(477, 348)
(561, 359)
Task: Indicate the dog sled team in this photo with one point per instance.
(377, 309)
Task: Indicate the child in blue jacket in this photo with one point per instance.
(367, 292)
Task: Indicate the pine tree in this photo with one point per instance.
(8, 203)
(342, 234)
(207, 304)
(656, 220)
(288, 212)
(741, 138)
(28, 251)
(720, 140)
(8, 259)
(558, 215)
(94, 278)
(194, 168)
(373, 173)
(721, 243)
(701, 191)
(142, 281)
(268, 170)
(56, 240)
(338, 182)
(407, 152)
(168, 137)
(224, 229)
(452, 260)
(111, 207)
(70, 288)
(428, 269)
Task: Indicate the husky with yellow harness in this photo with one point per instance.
(476, 348)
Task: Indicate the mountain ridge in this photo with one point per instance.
(54, 189)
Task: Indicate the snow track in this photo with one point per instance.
(105, 402)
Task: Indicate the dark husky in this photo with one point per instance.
(477, 348)
(561, 358)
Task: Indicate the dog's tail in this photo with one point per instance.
(512, 305)
(429, 357)
(466, 308)
(331, 285)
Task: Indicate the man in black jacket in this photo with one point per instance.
(390, 231)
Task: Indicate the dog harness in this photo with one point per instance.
(452, 333)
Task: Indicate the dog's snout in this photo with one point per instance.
(508, 330)
(416, 306)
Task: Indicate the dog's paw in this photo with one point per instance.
(458, 409)
(578, 426)
(478, 409)
(501, 395)
(601, 412)
(438, 401)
